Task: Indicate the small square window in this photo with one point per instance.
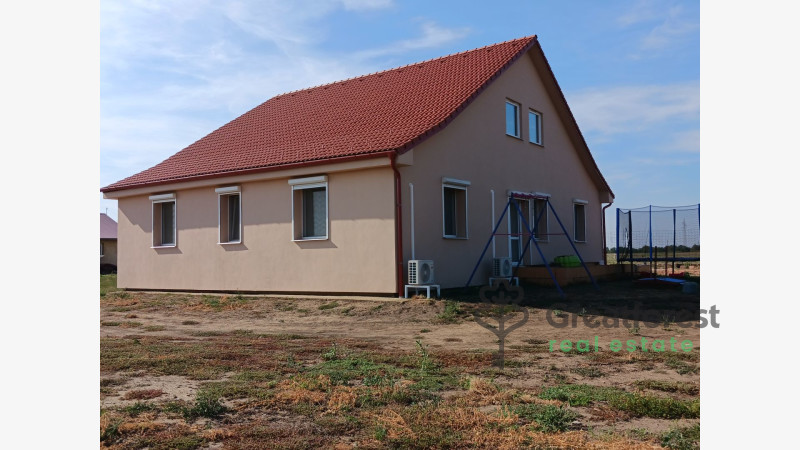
(230, 215)
(535, 127)
(310, 208)
(580, 222)
(164, 223)
(512, 119)
(454, 211)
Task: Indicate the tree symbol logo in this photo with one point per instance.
(501, 302)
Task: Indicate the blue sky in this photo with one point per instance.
(172, 72)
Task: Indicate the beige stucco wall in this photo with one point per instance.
(475, 148)
(109, 251)
(358, 256)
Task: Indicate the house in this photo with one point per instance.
(108, 244)
(333, 189)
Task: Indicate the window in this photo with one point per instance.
(230, 215)
(164, 223)
(517, 228)
(512, 119)
(535, 127)
(540, 229)
(580, 220)
(102, 249)
(454, 208)
(309, 208)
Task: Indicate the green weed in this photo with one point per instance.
(548, 418)
(205, 406)
(635, 404)
(668, 386)
(452, 312)
(687, 438)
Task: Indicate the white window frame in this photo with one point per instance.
(164, 198)
(454, 183)
(300, 184)
(102, 249)
(225, 192)
(539, 127)
(518, 107)
(584, 203)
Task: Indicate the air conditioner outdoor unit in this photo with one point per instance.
(420, 271)
(502, 267)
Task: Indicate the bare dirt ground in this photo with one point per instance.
(232, 371)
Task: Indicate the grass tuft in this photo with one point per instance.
(668, 386)
(687, 438)
(635, 404)
(548, 418)
(451, 314)
(205, 406)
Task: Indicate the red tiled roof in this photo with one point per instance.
(385, 111)
(108, 227)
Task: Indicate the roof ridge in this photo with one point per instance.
(296, 91)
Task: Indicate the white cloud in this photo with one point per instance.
(432, 36)
(171, 72)
(361, 5)
(675, 26)
(627, 109)
(666, 24)
(641, 11)
(684, 142)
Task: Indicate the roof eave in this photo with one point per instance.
(377, 154)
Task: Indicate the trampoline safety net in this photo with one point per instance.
(658, 233)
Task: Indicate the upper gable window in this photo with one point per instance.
(512, 119)
(535, 127)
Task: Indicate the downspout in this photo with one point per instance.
(603, 214)
(398, 222)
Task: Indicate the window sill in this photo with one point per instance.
(229, 243)
(579, 242)
(536, 144)
(164, 246)
(456, 238)
(519, 138)
(325, 238)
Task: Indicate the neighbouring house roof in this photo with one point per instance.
(389, 111)
(108, 227)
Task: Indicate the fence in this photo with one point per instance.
(654, 234)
